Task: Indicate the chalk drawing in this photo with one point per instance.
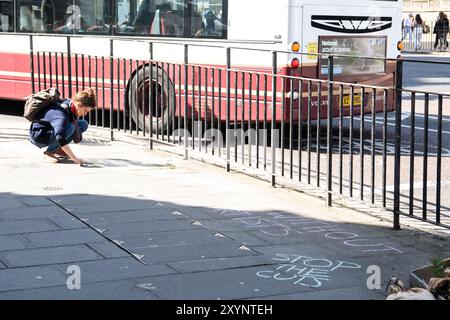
(305, 271)
(284, 224)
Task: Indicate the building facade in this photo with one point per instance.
(428, 9)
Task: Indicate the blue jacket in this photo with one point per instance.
(53, 121)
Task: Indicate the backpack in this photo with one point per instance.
(38, 102)
(43, 99)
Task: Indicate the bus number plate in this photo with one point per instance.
(356, 101)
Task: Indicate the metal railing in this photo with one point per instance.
(349, 140)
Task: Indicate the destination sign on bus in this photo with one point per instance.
(359, 51)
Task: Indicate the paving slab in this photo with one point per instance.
(36, 201)
(191, 212)
(333, 294)
(425, 244)
(226, 248)
(169, 238)
(11, 203)
(75, 198)
(120, 269)
(111, 206)
(130, 216)
(34, 277)
(109, 249)
(246, 238)
(68, 222)
(63, 238)
(112, 290)
(112, 230)
(4, 196)
(31, 213)
(45, 256)
(33, 225)
(221, 213)
(14, 242)
(220, 263)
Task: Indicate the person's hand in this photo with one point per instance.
(79, 161)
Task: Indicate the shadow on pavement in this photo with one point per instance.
(140, 248)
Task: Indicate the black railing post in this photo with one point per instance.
(150, 85)
(274, 114)
(398, 136)
(227, 130)
(32, 64)
(330, 131)
(439, 160)
(111, 85)
(186, 89)
(69, 66)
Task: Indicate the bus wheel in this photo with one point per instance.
(162, 99)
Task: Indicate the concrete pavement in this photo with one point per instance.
(150, 225)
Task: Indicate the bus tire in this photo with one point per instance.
(162, 113)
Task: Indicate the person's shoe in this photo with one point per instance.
(61, 154)
(50, 157)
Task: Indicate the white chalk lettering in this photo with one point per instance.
(282, 224)
(346, 265)
(305, 271)
(359, 243)
(341, 235)
(282, 232)
(316, 263)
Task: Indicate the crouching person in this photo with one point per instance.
(59, 125)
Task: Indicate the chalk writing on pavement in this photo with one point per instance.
(305, 271)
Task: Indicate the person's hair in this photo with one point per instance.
(441, 15)
(419, 19)
(86, 97)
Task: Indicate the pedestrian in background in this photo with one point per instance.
(418, 32)
(441, 30)
(408, 26)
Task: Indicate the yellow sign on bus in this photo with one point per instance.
(356, 101)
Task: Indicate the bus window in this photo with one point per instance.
(151, 17)
(94, 15)
(62, 16)
(207, 19)
(41, 15)
(27, 13)
(85, 16)
(6, 15)
(65, 17)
